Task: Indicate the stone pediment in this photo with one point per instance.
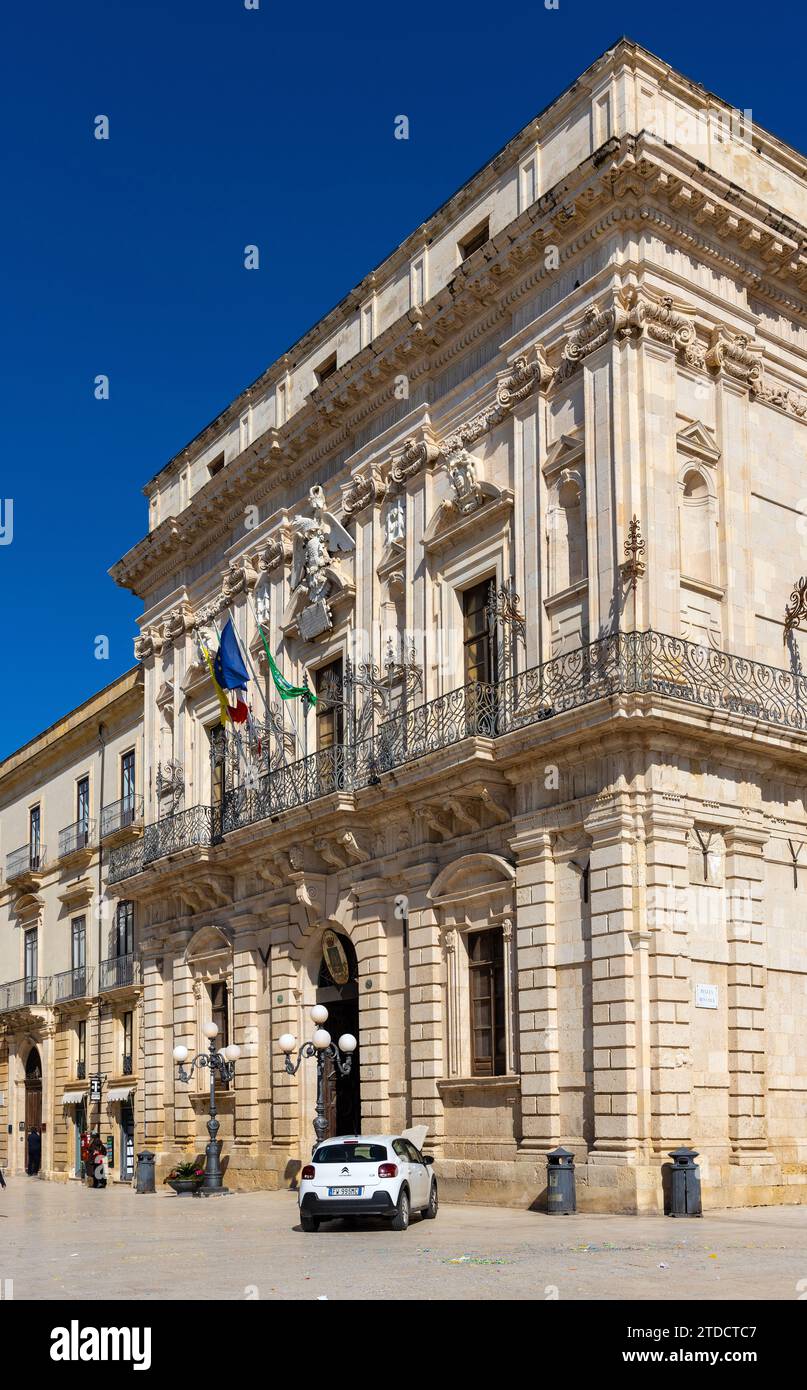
(472, 875)
(194, 680)
(28, 909)
(565, 451)
(165, 695)
(699, 441)
(449, 526)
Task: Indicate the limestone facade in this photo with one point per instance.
(526, 511)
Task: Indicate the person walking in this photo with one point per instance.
(98, 1160)
(2, 1179)
(34, 1152)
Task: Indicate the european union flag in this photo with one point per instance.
(228, 665)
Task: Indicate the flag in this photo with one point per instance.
(223, 706)
(285, 690)
(228, 666)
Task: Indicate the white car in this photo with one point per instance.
(367, 1175)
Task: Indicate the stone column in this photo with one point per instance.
(184, 1029)
(285, 1019)
(536, 994)
(745, 868)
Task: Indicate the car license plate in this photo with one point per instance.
(345, 1191)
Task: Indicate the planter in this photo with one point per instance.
(184, 1186)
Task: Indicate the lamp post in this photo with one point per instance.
(224, 1063)
(323, 1049)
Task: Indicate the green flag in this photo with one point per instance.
(282, 686)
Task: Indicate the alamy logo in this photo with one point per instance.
(76, 1343)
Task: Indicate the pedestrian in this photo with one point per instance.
(34, 1152)
(98, 1160)
(2, 1179)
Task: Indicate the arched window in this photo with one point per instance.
(567, 532)
(697, 524)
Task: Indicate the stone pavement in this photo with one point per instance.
(64, 1241)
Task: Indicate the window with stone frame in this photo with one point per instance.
(220, 1015)
(479, 649)
(127, 1053)
(488, 1018)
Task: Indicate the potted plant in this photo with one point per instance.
(186, 1177)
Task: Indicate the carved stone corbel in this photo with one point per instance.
(462, 814)
(353, 848)
(277, 551)
(362, 491)
(499, 811)
(416, 454)
(736, 356)
(330, 853)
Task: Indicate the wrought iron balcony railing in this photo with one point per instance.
(20, 994)
(71, 984)
(76, 837)
(121, 815)
(81, 1071)
(25, 860)
(119, 972)
(184, 830)
(257, 785)
(126, 1065)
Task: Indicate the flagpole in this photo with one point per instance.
(248, 662)
(283, 703)
(236, 730)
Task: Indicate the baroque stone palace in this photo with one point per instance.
(526, 511)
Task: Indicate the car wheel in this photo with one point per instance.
(309, 1223)
(430, 1211)
(400, 1220)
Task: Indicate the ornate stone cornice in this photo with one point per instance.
(364, 490)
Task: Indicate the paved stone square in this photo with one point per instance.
(64, 1241)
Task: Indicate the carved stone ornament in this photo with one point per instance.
(464, 473)
(735, 355)
(238, 578)
(278, 551)
(514, 386)
(179, 622)
(417, 454)
(781, 397)
(361, 492)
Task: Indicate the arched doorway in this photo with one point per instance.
(33, 1100)
(338, 990)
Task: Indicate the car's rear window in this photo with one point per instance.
(350, 1153)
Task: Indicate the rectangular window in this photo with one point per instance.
(528, 184)
(474, 240)
(215, 466)
(126, 1061)
(31, 965)
(478, 645)
(78, 955)
(367, 327)
(34, 835)
(82, 811)
(486, 966)
(329, 705)
(245, 431)
(127, 786)
(81, 1048)
(327, 369)
(417, 282)
(124, 929)
(280, 404)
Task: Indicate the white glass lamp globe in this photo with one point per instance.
(319, 1013)
(180, 1053)
(321, 1039)
(347, 1043)
(287, 1042)
(210, 1030)
(233, 1052)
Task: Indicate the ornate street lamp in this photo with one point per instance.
(323, 1049)
(224, 1063)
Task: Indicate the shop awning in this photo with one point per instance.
(119, 1093)
(73, 1097)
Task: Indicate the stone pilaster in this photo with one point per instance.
(153, 1122)
(246, 985)
(611, 890)
(285, 1019)
(536, 995)
(426, 972)
(665, 924)
(186, 997)
(373, 906)
(745, 869)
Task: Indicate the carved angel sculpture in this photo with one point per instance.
(314, 566)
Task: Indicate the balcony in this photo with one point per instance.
(623, 664)
(120, 972)
(25, 864)
(121, 817)
(77, 840)
(70, 984)
(23, 994)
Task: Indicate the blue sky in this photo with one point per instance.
(232, 126)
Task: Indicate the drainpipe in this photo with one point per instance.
(102, 734)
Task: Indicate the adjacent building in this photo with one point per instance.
(526, 513)
(69, 975)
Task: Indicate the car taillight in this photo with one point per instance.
(388, 1170)
(309, 1171)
